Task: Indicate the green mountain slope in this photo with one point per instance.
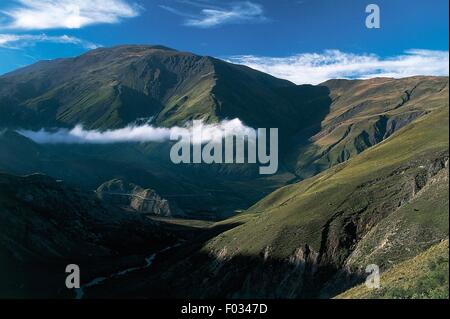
(303, 240)
(415, 145)
(362, 114)
(112, 87)
(422, 277)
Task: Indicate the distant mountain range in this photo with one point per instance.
(363, 179)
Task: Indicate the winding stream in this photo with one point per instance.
(79, 293)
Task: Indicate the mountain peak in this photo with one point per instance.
(132, 48)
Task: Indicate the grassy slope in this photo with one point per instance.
(409, 230)
(265, 254)
(112, 87)
(424, 276)
(364, 113)
(296, 215)
(104, 88)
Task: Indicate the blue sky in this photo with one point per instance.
(317, 38)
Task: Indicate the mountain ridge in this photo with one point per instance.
(157, 82)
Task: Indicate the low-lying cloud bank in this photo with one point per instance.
(141, 133)
(315, 68)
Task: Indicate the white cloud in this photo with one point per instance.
(132, 133)
(210, 16)
(14, 41)
(67, 14)
(315, 68)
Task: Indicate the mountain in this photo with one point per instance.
(315, 238)
(110, 88)
(133, 82)
(362, 114)
(320, 126)
(363, 179)
(135, 198)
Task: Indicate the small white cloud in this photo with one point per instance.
(315, 68)
(67, 14)
(14, 41)
(133, 133)
(210, 16)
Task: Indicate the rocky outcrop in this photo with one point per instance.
(131, 196)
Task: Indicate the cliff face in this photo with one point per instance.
(134, 197)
